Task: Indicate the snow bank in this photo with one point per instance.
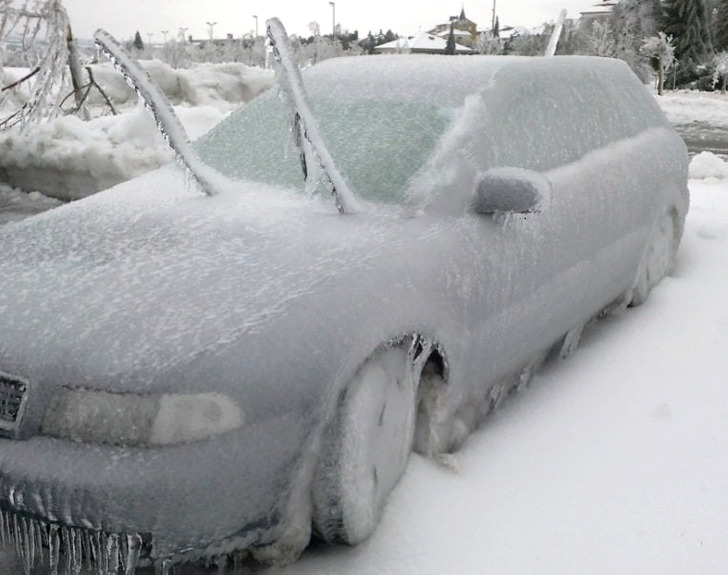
(68, 158)
(707, 165)
(17, 205)
(223, 85)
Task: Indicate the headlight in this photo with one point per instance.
(92, 416)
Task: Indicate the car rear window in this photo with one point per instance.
(378, 145)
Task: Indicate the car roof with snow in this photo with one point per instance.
(384, 118)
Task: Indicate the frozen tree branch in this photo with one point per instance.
(38, 29)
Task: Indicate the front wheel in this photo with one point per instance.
(365, 450)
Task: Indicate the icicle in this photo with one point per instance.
(7, 528)
(221, 561)
(4, 538)
(33, 546)
(16, 535)
(134, 547)
(87, 548)
(54, 548)
(112, 553)
(76, 551)
(238, 559)
(163, 568)
(26, 551)
(65, 536)
(102, 564)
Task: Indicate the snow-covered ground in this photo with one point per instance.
(700, 117)
(614, 461)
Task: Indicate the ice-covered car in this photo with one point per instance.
(185, 376)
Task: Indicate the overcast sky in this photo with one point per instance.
(123, 17)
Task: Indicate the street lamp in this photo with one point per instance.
(256, 25)
(333, 19)
(149, 36)
(183, 34)
(164, 33)
(211, 29)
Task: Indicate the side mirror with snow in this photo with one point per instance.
(512, 190)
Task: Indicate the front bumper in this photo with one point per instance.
(179, 503)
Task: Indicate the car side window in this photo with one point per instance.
(545, 119)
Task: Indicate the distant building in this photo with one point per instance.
(598, 13)
(465, 30)
(422, 43)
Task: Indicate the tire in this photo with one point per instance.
(657, 261)
(365, 450)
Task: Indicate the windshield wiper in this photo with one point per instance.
(210, 181)
(307, 136)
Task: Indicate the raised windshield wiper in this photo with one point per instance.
(307, 136)
(210, 181)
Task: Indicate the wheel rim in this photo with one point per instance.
(657, 260)
(369, 447)
(662, 251)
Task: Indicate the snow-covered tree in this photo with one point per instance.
(687, 22)
(720, 41)
(450, 46)
(487, 43)
(720, 74)
(661, 54)
(527, 44)
(601, 40)
(138, 43)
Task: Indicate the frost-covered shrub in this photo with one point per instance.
(661, 54)
(720, 74)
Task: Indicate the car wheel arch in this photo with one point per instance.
(645, 279)
(426, 362)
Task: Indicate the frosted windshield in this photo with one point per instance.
(378, 145)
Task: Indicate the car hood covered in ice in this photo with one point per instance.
(144, 278)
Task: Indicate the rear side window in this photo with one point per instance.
(543, 117)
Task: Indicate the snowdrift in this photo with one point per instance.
(68, 159)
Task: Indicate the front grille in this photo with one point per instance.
(13, 397)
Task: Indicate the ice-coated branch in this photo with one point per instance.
(39, 27)
(307, 136)
(554, 40)
(160, 108)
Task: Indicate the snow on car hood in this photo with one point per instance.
(147, 275)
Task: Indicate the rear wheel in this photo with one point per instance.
(365, 450)
(657, 261)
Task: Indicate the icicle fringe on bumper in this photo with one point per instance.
(66, 550)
